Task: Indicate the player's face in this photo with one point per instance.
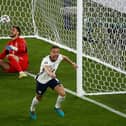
(13, 33)
(54, 53)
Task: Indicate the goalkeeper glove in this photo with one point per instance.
(10, 48)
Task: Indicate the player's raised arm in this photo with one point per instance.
(67, 59)
(45, 67)
(49, 71)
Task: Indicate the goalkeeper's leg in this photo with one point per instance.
(15, 65)
(12, 66)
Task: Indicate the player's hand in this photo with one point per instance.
(52, 75)
(74, 65)
(8, 48)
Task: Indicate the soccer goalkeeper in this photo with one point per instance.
(16, 54)
(47, 78)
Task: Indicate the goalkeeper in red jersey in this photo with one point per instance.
(16, 54)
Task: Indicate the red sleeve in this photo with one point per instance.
(22, 47)
(4, 53)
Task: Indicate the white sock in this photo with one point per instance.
(34, 103)
(59, 100)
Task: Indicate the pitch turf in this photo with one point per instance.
(16, 96)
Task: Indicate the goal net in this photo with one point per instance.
(20, 13)
(104, 27)
(103, 38)
(56, 21)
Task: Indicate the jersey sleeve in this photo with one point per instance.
(43, 63)
(4, 52)
(60, 57)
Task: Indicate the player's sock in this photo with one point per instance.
(15, 63)
(59, 100)
(57, 108)
(35, 101)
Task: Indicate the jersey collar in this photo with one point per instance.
(52, 60)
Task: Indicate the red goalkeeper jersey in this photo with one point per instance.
(21, 51)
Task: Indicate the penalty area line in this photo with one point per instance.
(90, 100)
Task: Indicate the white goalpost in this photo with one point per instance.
(79, 82)
(92, 29)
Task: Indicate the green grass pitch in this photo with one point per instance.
(16, 96)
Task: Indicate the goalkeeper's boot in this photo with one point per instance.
(22, 74)
(33, 116)
(59, 111)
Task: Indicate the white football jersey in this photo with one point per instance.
(43, 77)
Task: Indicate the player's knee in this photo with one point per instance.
(63, 94)
(1, 61)
(12, 57)
(39, 97)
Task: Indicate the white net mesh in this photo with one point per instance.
(105, 30)
(20, 13)
(104, 39)
(55, 22)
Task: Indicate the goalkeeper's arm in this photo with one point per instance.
(3, 54)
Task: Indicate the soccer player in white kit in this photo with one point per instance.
(47, 78)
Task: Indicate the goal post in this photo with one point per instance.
(79, 82)
(92, 29)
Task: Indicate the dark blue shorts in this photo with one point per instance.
(41, 88)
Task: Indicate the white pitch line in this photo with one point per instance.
(30, 74)
(97, 103)
(90, 100)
